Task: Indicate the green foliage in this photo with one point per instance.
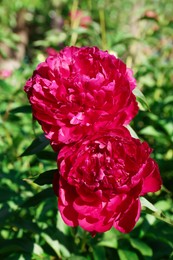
(30, 224)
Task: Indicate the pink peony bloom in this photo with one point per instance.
(80, 91)
(101, 180)
(80, 18)
(51, 52)
(5, 73)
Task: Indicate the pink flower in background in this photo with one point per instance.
(102, 178)
(80, 18)
(52, 52)
(79, 91)
(5, 73)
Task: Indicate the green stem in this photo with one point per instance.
(161, 216)
(151, 209)
(74, 24)
(89, 4)
(103, 28)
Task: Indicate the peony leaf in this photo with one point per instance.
(155, 212)
(127, 255)
(132, 131)
(38, 198)
(99, 253)
(164, 205)
(21, 109)
(142, 247)
(45, 177)
(15, 245)
(150, 130)
(147, 204)
(36, 146)
(59, 249)
(26, 224)
(47, 155)
(77, 257)
(141, 99)
(108, 239)
(37, 250)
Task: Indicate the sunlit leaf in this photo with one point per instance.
(150, 130)
(127, 255)
(132, 132)
(109, 239)
(141, 99)
(147, 204)
(164, 204)
(58, 248)
(141, 246)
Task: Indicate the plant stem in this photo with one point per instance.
(161, 216)
(152, 210)
(103, 28)
(74, 23)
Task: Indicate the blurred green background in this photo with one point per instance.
(141, 34)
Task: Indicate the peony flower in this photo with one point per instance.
(80, 18)
(101, 180)
(79, 91)
(5, 74)
(50, 51)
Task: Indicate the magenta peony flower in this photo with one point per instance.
(80, 91)
(101, 180)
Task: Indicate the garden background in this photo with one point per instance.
(141, 34)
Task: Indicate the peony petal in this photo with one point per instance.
(88, 209)
(152, 182)
(129, 218)
(68, 214)
(94, 225)
(67, 195)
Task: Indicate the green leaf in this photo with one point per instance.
(141, 99)
(26, 224)
(109, 239)
(15, 245)
(127, 255)
(58, 248)
(45, 177)
(5, 213)
(77, 257)
(6, 87)
(142, 247)
(99, 253)
(6, 194)
(37, 250)
(47, 155)
(36, 146)
(38, 198)
(21, 109)
(147, 204)
(132, 132)
(164, 205)
(155, 212)
(150, 130)
(126, 39)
